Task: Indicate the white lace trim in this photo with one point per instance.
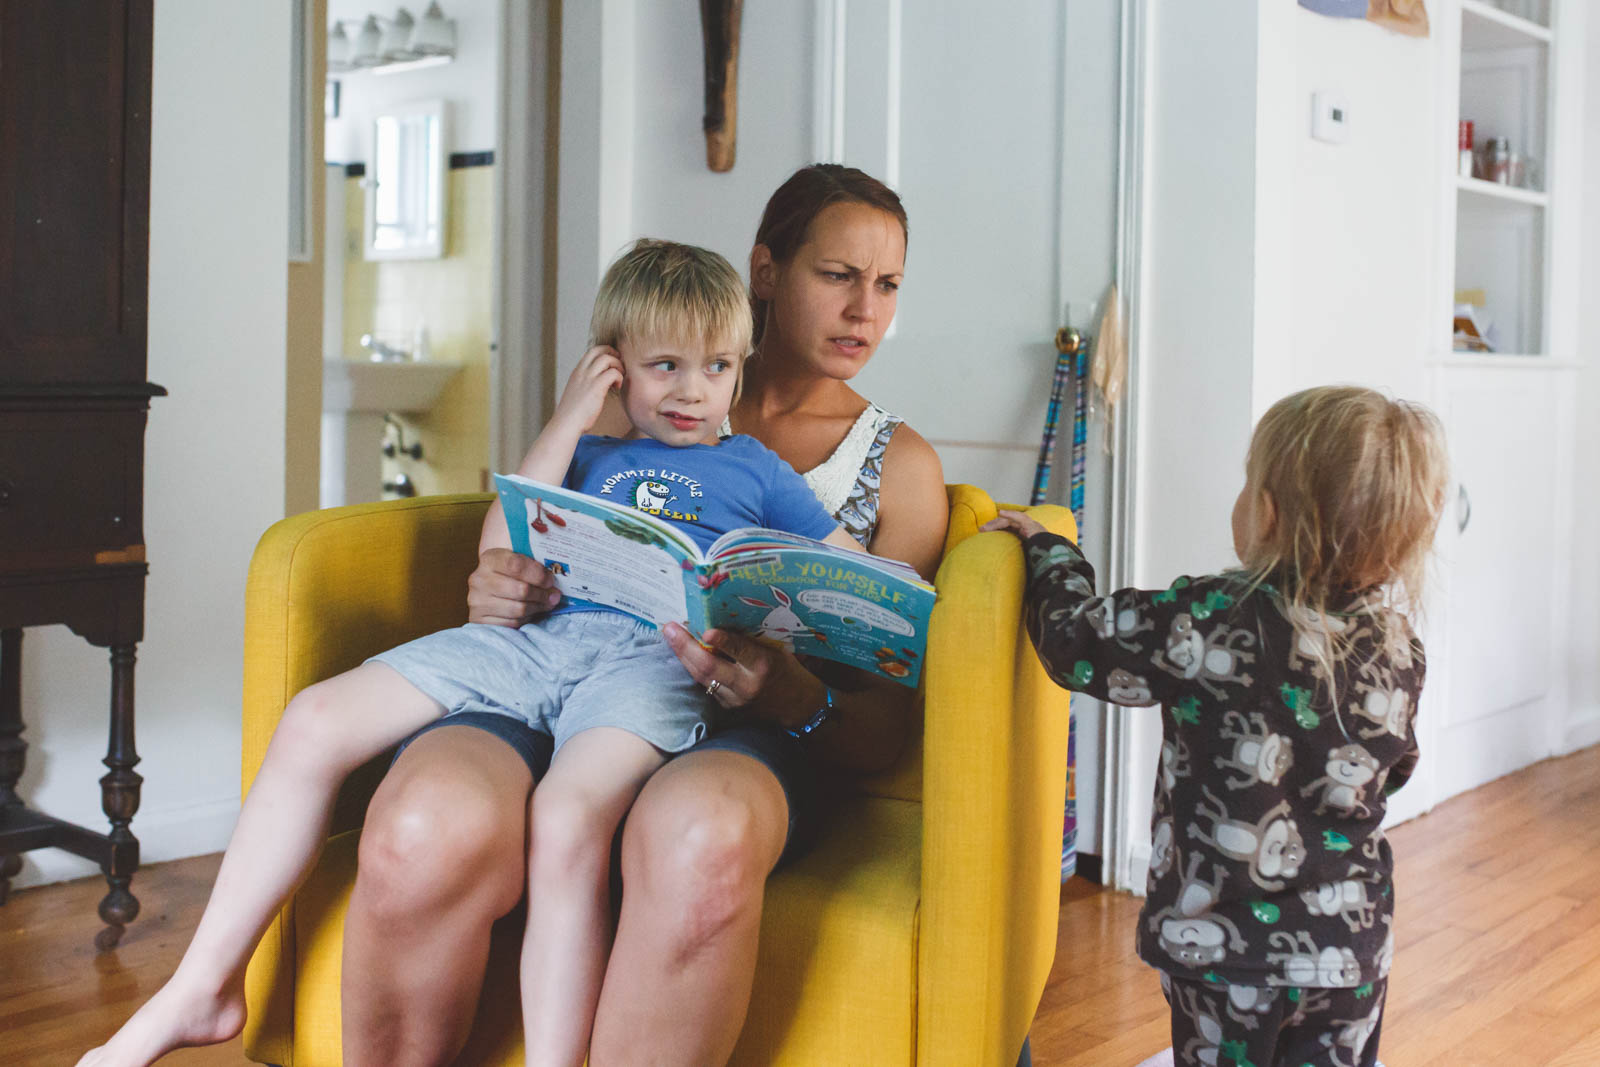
(833, 478)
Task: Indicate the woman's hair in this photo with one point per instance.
(799, 200)
(1357, 482)
(675, 292)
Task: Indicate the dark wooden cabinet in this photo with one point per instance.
(74, 255)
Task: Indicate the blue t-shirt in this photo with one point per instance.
(706, 490)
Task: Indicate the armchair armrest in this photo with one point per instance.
(994, 785)
(329, 588)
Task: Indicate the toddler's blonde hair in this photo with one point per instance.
(673, 292)
(1357, 481)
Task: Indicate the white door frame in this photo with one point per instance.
(520, 367)
(1119, 843)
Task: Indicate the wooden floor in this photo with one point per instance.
(1497, 961)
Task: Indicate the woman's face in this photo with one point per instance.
(831, 302)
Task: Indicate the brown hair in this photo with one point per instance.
(799, 200)
(1357, 481)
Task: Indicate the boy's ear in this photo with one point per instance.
(763, 272)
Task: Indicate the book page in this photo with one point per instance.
(596, 552)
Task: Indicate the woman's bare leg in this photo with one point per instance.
(327, 731)
(576, 809)
(701, 839)
(442, 857)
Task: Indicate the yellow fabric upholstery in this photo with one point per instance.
(919, 930)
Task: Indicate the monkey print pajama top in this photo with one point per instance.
(1268, 867)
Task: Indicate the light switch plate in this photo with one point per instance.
(1330, 117)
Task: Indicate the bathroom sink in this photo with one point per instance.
(350, 385)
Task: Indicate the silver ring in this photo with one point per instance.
(711, 690)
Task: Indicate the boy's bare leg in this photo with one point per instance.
(575, 812)
(442, 857)
(327, 731)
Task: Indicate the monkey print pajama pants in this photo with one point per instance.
(1280, 1026)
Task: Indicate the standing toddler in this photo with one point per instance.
(1289, 691)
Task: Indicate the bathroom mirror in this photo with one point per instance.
(406, 183)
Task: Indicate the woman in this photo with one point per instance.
(442, 855)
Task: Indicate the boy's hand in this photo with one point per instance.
(597, 373)
(1014, 522)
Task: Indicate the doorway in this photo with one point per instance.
(386, 298)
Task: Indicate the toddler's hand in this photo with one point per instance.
(1014, 522)
(597, 373)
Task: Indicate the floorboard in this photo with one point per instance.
(1497, 959)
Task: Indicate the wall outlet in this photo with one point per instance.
(1330, 117)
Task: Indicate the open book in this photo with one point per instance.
(781, 588)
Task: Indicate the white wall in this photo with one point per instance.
(1357, 229)
(214, 449)
(645, 97)
(470, 83)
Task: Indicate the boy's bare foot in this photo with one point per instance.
(173, 1018)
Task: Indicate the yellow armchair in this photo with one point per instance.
(918, 931)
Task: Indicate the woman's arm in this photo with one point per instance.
(871, 718)
(867, 727)
(913, 511)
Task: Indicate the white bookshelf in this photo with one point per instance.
(1504, 62)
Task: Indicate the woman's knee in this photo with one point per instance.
(702, 860)
(432, 843)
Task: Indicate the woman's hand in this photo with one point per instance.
(598, 372)
(738, 672)
(508, 589)
(1014, 522)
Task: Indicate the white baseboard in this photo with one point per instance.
(1583, 729)
(1138, 870)
(192, 830)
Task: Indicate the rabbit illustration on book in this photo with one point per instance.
(782, 623)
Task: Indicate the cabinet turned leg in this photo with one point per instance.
(119, 798)
(13, 749)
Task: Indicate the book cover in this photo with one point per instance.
(780, 588)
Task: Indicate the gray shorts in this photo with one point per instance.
(562, 675)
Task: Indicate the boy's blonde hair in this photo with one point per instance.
(674, 292)
(1357, 481)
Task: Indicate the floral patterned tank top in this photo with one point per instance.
(847, 481)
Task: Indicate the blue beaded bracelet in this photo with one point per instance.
(818, 717)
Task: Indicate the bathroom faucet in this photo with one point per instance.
(382, 353)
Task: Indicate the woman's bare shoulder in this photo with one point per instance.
(912, 509)
(909, 458)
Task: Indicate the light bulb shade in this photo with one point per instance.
(338, 48)
(396, 43)
(434, 35)
(365, 53)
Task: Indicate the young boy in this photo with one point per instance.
(671, 328)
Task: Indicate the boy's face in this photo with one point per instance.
(677, 392)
